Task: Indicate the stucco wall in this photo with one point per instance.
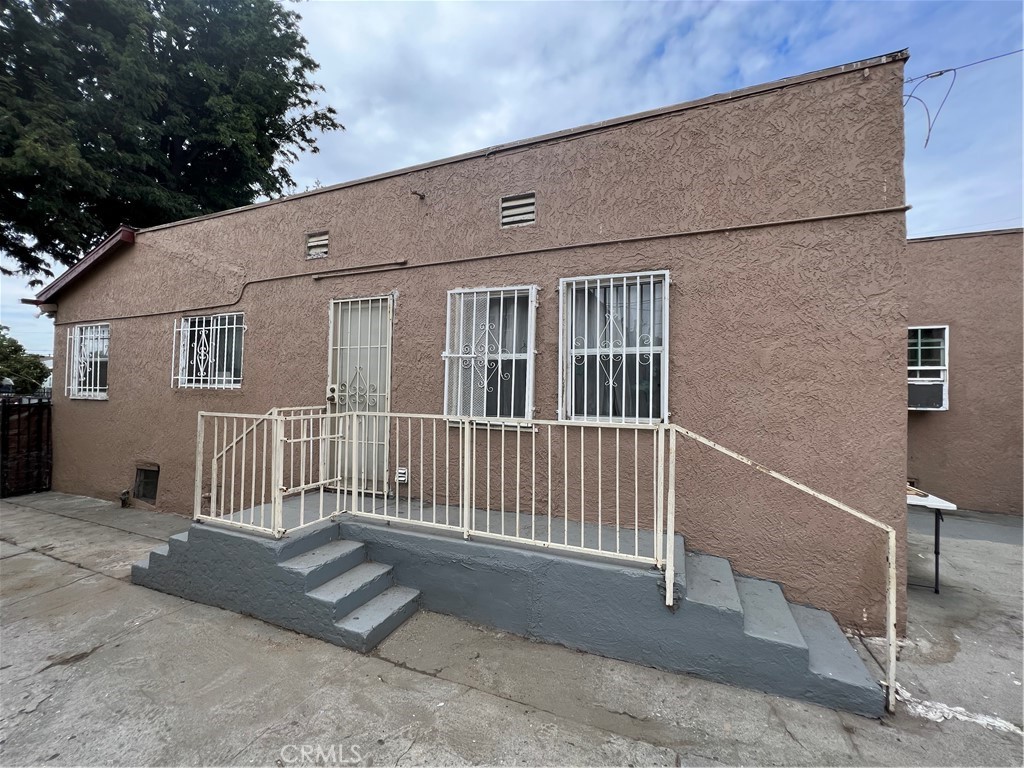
(787, 341)
(972, 453)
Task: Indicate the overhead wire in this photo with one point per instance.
(929, 119)
(938, 72)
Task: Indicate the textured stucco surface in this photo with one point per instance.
(972, 453)
(787, 342)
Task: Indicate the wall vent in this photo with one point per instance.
(316, 246)
(518, 209)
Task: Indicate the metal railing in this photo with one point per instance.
(603, 489)
(889, 531)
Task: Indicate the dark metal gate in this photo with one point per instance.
(26, 453)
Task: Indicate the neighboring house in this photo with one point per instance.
(966, 395)
(556, 310)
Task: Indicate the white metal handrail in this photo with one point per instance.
(890, 581)
(606, 489)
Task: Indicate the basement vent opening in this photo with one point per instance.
(518, 209)
(316, 246)
(146, 479)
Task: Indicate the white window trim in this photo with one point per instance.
(530, 355)
(72, 386)
(179, 356)
(943, 370)
(564, 372)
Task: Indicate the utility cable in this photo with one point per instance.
(929, 119)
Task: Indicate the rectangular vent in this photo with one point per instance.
(316, 246)
(518, 209)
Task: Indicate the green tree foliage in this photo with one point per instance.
(26, 371)
(141, 112)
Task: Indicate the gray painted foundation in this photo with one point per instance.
(723, 627)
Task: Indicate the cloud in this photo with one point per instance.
(415, 82)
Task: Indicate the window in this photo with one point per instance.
(146, 480)
(518, 209)
(88, 356)
(489, 353)
(316, 246)
(928, 368)
(613, 357)
(209, 352)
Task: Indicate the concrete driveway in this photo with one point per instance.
(96, 671)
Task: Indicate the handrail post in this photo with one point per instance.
(467, 474)
(659, 502)
(357, 450)
(890, 623)
(670, 524)
(197, 508)
(277, 473)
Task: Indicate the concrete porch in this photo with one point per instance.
(354, 580)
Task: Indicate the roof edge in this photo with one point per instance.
(976, 233)
(753, 90)
(124, 235)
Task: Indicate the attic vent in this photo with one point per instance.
(316, 246)
(518, 209)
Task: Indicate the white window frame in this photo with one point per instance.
(77, 364)
(182, 358)
(566, 384)
(476, 355)
(941, 372)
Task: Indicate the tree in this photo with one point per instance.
(141, 112)
(28, 372)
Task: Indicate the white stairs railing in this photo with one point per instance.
(604, 489)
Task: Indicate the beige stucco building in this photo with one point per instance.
(965, 292)
(763, 231)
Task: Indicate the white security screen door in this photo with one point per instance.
(359, 381)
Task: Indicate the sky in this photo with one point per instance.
(415, 82)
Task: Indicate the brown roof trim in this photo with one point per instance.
(980, 233)
(123, 236)
(569, 133)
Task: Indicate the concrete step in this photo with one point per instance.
(766, 613)
(367, 625)
(304, 540)
(831, 654)
(153, 557)
(320, 565)
(177, 542)
(353, 588)
(710, 581)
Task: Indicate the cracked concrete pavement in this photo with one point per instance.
(96, 671)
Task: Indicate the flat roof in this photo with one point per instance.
(126, 235)
(979, 233)
(569, 133)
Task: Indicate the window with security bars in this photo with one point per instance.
(614, 358)
(489, 353)
(208, 352)
(87, 359)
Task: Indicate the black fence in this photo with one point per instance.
(26, 449)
